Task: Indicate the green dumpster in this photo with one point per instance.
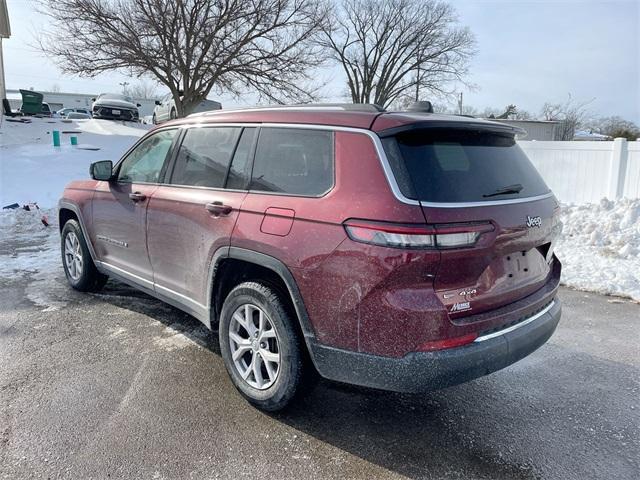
(31, 102)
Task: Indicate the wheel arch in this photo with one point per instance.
(69, 211)
(234, 265)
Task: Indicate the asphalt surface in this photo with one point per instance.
(119, 385)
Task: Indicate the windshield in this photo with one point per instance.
(116, 96)
(449, 165)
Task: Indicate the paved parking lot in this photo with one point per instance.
(119, 385)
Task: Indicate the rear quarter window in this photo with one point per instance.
(449, 165)
(293, 161)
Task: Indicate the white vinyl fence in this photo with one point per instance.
(586, 172)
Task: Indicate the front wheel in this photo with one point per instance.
(79, 268)
(153, 119)
(260, 346)
(173, 115)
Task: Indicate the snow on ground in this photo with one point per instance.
(600, 247)
(33, 170)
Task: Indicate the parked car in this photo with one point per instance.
(404, 251)
(165, 108)
(45, 110)
(64, 112)
(115, 107)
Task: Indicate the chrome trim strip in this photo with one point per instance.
(180, 298)
(123, 273)
(516, 326)
(487, 203)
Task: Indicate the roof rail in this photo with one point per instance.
(352, 107)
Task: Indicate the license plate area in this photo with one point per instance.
(525, 264)
(115, 112)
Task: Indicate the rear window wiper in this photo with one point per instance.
(509, 189)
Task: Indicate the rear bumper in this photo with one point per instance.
(425, 371)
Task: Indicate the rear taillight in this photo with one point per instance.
(395, 235)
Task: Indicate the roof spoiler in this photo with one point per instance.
(478, 125)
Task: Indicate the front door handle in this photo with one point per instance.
(137, 196)
(218, 209)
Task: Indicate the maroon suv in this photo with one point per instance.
(404, 251)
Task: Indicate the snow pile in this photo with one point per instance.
(600, 247)
(33, 170)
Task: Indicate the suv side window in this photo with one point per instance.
(240, 170)
(145, 162)
(293, 161)
(204, 156)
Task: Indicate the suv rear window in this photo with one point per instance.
(293, 161)
(449, 165)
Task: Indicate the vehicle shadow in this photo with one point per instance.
(512, 424)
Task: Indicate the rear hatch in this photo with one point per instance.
(475, 178)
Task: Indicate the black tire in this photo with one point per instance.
(173, 115)
(291, 367)
(153, 119)
(89, 278)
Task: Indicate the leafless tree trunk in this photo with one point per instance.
(191, 46)
(389, 48)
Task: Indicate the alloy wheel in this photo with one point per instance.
(73, 256)
(254, 346)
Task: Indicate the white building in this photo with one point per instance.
(536, 129)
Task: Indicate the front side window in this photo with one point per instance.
(145, 162)
(293, 161)
(204, 156)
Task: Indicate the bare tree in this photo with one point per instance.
(615, 127)
(570, 114)
(192, 46)
(391, 48)
(144, 89)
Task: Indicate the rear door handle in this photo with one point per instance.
(218, 209)
(137, 196)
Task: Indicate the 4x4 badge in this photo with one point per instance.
(534, 222)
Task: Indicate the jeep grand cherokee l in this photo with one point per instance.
(404, 251)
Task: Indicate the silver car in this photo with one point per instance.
(165, 108)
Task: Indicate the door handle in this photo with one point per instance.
(218, 209)
(137, 196)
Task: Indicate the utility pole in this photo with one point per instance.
(124, 87)
(460, 104)
(418, 84)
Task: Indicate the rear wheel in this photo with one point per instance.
(79, 268)
(153, 119)
(173, 115)
(260, 346)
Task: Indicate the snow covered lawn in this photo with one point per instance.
(599, 248)
(33, 170)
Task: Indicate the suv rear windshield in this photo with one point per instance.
(449, 165)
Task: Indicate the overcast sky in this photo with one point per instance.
(529, 52)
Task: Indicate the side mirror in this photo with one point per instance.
(93, 99)
(138, 104)
(102, 170)
(158, 102)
